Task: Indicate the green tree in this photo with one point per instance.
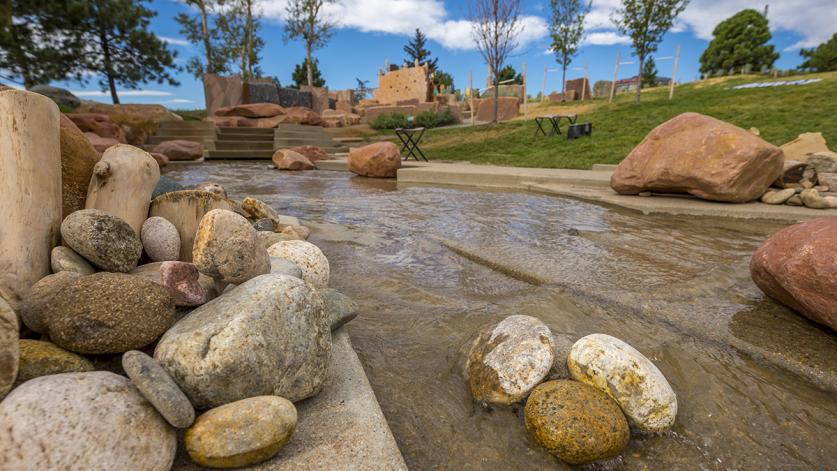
(649, 73)
(508, 73)
(822, 58)
(645, 22)
(739, 44)
(305, 75)
(121, 48)
(239, 27)
(201, 31)
(444, 80)
(417, 50)
(567, 31)
(361, 91)
(36, 46)
(306, 20)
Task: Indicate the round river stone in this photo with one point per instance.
(158, 387)
(307, 256)
(105, 240)
(35, 305)
(9, 350)
(39, 358)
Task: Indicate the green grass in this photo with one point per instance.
(780, 114)
(191, 115)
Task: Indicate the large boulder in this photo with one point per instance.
(797, 267)
(106, 241)
(99, 124)
(77, 160)
(61, 96)
(313, 153)
(302, 115)
(702, 156)
(627, 376)
(180, 149)
(228, 249)
(93, 420)
(251, 110)
(307, 256)
(108, 313)
(576, 422)
(333, 118)
(381, 159)
(804, 145)
(262, 123)
(9, 351)
(267, 336)
(100, 144)
(508, 359)
(286, 159)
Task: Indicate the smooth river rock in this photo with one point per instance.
(627, 376)
(227, 248)
(65, 259)
(39, 358)
(283, 266)
(109, 313)
(106, 241)
(34, 307)
(160, 239)
(74, 421)
(158, 387)
(797, 266)
(176, 280)
(340, 308)
(307, 256)
(267, 336)
(258, 209)
(777, 196)
(576, 422)
(508, 359)
(183, 281)
(9, 349)
(263, 425)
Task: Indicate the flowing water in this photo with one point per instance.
(430, 265)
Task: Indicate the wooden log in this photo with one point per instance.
(122, 184)
(30, 178)
(185, 209)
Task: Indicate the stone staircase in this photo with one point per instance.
(197, 131)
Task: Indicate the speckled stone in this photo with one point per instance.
(627, 376)
(106, 241)
(33, 309)
(307, 256)
(183, 281)
(9, 350)
(267, 336)
(270, 238)
(93, 420)
(258, 209)
(263, 425)
(283, 266)
(576, 422)
(227, 249)
(340, 308)
(160, 239)
(65, 259)
(158, 387)
(39, 358)
(109, 313)
(508, 359)
(264, 225)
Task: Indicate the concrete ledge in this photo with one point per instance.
(340, 428)
(490, 176)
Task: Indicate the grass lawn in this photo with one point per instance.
(780, 114)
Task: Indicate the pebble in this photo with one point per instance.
(627, 376)
(778, 197)
(283, 266)
(39, 358)
(270, 238)
(64, 259)
(183, 281)
(9, 349)
(576, 422)
(340, 308)
(92, 420)
(262, 424)
(159, 388)
(265, 225)
(106, 241)
(258, 209)
(211, 187)
(307, 256)
(160, 239)
(227, 249)
(33, 309)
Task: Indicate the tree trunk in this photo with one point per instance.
(30, 175)
(185, 209)
(207, 45)
(496, 78)
(310, 67)
(564, 81)
(122, 184)
(639, 78)
(249, 36)
(103, 38)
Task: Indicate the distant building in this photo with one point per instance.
(629, 84)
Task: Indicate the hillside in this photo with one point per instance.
(780, 114)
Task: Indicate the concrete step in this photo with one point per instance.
(186, 125)
(265, 131)
(158, 139)
(242, 145)
(304, 142)
(184, 135)
(240, 154)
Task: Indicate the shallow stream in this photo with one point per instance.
(430, 265)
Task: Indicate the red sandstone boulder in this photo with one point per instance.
(702, 156)
(302, 115)
(180, 149)
(161, 159)
(251, 110)
(99, 143)
(225, 121)
(381, 159)
(313, 153)
(333, 119)
(286, 159)
(797, 266)
(264, 123)
(98, 123)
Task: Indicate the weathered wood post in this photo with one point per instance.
(30, 176)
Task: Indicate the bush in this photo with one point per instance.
(390, 121)
(427, 119)
(432, 119)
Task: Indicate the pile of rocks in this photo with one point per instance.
(809, 176)
(582, 398)
(156, 310)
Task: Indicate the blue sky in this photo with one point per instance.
(373, 31)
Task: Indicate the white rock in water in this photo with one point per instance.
(507, 360)
(630, 378)
(93, 420)
(307, 256)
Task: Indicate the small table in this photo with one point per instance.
(410, 139)
(555, 121)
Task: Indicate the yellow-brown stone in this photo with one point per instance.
(38, 358)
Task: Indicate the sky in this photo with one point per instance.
(372, 32)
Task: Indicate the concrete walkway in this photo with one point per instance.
(591, 185)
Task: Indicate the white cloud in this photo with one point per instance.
(179, 100)
(605, 38)
(174, 41)
(95, 93)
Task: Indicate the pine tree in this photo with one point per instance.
(821, 59)
(510, 76)
(305, 75)
(739, 44)
(417, 51)
(649, 73)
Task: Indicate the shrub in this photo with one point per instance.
(391, 121)
(432, 119)
(427, 119)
